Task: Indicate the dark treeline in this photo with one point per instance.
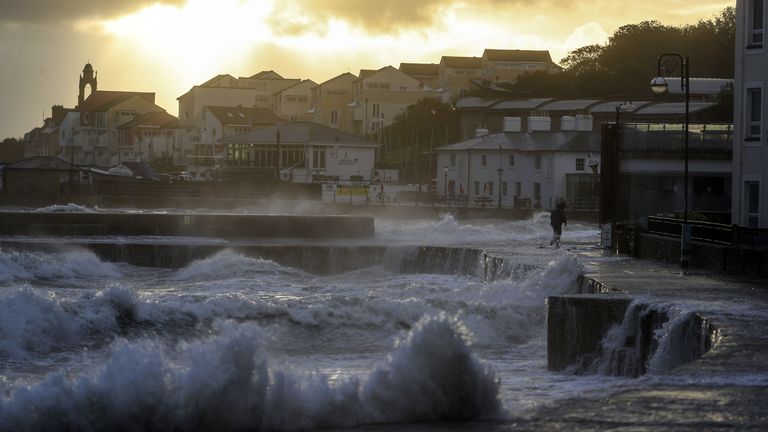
(627, 62)
(11, 150)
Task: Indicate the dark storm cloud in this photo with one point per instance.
(373, 16)
(45, 11)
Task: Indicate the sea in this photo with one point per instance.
(233, 342)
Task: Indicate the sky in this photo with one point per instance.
(168, 46)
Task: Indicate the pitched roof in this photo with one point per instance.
(230, 116)
(541, 56)
(420, 69)
(568, 105)
(575, 141)
(462, 62)
(337, 77)
(41, 162)
(474, 102)
(101, 100)
(160, 119)
(365, 73)
(674, 108)
(299, 133)
(524, 104)
(624, 106)
(211, 81)
(270, 74)
(313, 84)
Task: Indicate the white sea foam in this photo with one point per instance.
(79, 264)
(227, 383)
(66, 208)
(229, 264)
(449, 230)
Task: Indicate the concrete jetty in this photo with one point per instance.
(722, 386)
(220, 225)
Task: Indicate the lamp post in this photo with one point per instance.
(659, 86)
(500, 171)
(445, 183)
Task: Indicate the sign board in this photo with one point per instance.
(606, 233)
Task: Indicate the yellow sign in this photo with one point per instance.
(355, 191)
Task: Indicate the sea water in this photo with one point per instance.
(233, 342)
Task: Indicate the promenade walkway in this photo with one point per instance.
(726, 389)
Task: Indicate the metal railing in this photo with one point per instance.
(710, 232)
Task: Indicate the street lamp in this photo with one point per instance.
(445, 183)
(500, 171)
(659, 86)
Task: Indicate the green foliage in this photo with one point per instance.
(626, 63)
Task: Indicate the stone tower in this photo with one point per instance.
(87, 78)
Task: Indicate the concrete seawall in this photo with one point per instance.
(613, 331)
(180, 224)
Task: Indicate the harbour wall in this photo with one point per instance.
(603, 330)
(225, 226)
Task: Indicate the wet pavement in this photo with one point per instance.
(725, 389)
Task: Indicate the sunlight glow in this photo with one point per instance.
(196, 39)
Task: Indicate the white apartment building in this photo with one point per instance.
(521, 169)
(750, 149)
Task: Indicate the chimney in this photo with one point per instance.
(512, 124)
(539, 123)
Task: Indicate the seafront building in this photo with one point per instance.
(750, 151)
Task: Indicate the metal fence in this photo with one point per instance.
(709, 232)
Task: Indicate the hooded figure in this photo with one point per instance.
(557, 219)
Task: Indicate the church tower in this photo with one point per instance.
(87, 78)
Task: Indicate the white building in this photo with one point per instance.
(750, 149)
(303, 152)
(521, 169)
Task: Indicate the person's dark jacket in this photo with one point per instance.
(557, 217)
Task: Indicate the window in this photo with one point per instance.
(489, 188)
(511, 161)
(334, 117)
(754, 113)
(318, 158)
(752, 202)
(477, 187)
(518, 189)
(483, 160)
(537, 191)
(453, 160)
(537, 162)
(579, 164)
(378, 86)
(375, 110)
(504, 188)
(451, 187)
(756, 14)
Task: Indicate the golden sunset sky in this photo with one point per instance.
(168, 46)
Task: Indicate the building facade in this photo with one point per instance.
(750, 150)
(380, 95)
(331, 102)
(301, 152)
(521, 169)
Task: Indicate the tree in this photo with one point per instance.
(410, 141)
(625, 64)
(11, 150)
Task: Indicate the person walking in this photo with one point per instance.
(557, 218)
